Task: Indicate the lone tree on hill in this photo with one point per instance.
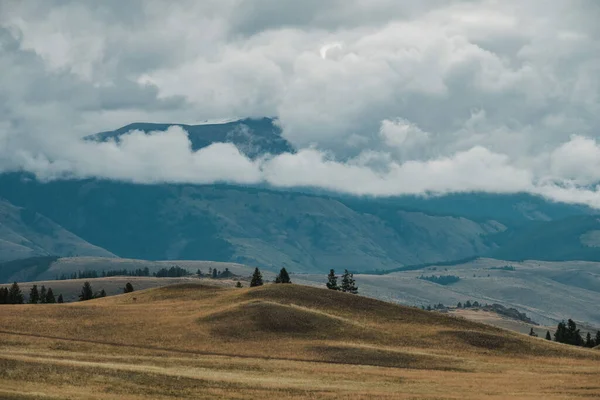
(102, 293)
(15, 296)
(86, 292)
(548, 337)
(50, 299)
(34, 295)
(238, 284)
(60, 299)
(283, 277)
(348, 283)
(128, 288)
(43, 295)
(257, 279)
(332, 280)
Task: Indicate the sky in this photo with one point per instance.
(379, 97)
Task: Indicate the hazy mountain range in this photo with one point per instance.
(306, 231)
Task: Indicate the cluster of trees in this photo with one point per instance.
(568, 333)
(504, 268)
(88, 294)
(441, 280)
(257, 278)
(173, 272)
(14, 295)
(348, 283)
(43, 296)
(215, 273)
(468, 304)
(438, 306)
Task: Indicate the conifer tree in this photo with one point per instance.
(86, 292)
(257, 279)
(459, 305)
(50, 299)
(588, 340)
(60, 299)
(3, 295)
(332, 281)
(283, 277)
(128, 288)
(34, 295)
(43, 295)
(548, 337)
(199, 273)
(348, 283)
(238, 284)
(597, 341)
(215, 273)
(561, 332)
(468, 304)
(102, 293)
(15, 296)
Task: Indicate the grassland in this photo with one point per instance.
(274, 342)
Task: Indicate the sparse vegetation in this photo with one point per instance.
(504, 268)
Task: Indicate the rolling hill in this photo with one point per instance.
(275, 341)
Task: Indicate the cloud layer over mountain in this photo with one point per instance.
(380, 97)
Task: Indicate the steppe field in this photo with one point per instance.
(195, 341)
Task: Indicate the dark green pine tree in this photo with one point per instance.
(597, 341)
(43, 295)
(15, 296)
(86, 292)
(548, 336)
(332, 281)
(3, 295)
(128, 288)
(561, 332)
(199, 273)
(215, 273)
(573, 334)
(60, 299)
(588, 340)
(459, 305)
(348, 283)
(102, 293)
(283, 277)
(238, 284)
(34, 295)
(50, 299)
(257, 279)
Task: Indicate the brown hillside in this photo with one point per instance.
(215, 338)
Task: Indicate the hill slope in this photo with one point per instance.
(26, 233)
(276, 341)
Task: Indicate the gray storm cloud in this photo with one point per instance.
(380, 98)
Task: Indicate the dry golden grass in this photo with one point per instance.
(276, 341)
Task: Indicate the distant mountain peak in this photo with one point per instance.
(252, 136)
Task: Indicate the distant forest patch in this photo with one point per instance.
(441, 280)
(504, 268)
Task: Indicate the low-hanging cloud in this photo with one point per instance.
(379, 98)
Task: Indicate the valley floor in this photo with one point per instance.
(274, 342)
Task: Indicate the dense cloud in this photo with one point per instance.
(379, 97)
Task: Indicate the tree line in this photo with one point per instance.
(14, 295)
(568, 333)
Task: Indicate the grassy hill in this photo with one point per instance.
(275, 341)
